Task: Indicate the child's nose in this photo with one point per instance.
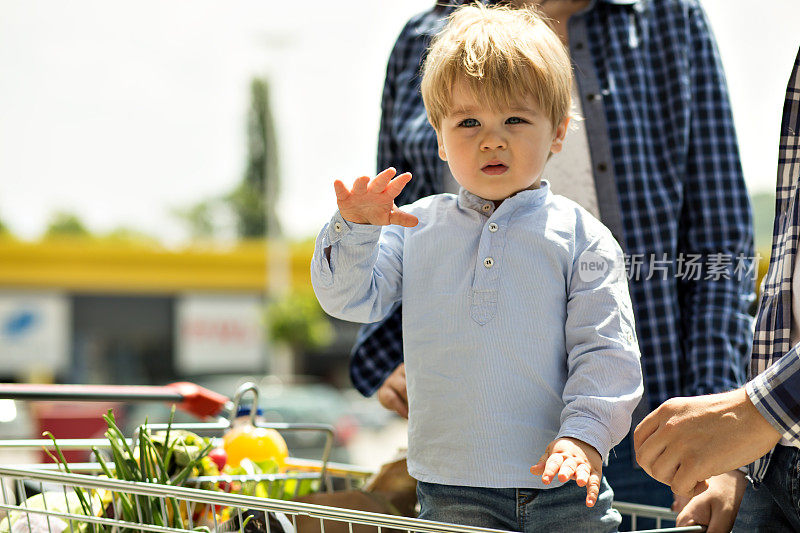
(492, 141)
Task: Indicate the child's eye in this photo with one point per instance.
(516, 120)
(469, 123)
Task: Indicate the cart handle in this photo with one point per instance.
(189, 397)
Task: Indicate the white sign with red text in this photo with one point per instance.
(219, 333)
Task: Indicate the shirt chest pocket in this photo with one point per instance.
(483, 305)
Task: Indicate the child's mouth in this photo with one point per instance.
(494, 169)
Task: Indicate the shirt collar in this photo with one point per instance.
(528, 197)
(432, 25)
(612, 2)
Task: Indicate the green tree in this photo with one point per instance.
(298, 320)
(64, 223)
(253, 200)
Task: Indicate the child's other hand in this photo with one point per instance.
(570, 458)
(372, 201)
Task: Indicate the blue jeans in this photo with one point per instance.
(774, 505)
(632, 484)
(559, 509)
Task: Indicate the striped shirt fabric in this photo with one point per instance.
(517, 323)
(668, 179)
(775, 365)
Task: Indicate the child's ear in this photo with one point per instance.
(442, 153)
(558, 139)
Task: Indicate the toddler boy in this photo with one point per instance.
(519, 336)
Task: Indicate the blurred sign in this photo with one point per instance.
(34, 332)
(218, 333)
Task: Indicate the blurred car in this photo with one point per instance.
(368, 411)
(16, 420)
(25, 419)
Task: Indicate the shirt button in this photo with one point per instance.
(338, 227)
(493, 227)
(488, 262)
(602, 167)
(486, 208)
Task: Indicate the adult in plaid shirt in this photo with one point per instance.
(665, 166)
(687, 440)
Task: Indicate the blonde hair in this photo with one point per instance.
(504, 55)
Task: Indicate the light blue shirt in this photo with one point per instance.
(517, 328)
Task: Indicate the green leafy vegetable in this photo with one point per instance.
(168, 458)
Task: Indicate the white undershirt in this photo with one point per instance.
(569, 171)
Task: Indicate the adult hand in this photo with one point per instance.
(716, 507)
(392, 394)
(688, 440)
(372, 201)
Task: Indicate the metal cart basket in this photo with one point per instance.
(41, 499)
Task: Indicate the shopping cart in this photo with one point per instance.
(39, 498)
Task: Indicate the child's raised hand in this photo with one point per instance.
(570, 458)
(372, 201)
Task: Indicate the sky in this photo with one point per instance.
(123, 112)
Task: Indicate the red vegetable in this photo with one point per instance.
(219, 457)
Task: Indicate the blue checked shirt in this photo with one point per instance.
(775, 366)
(667, 175)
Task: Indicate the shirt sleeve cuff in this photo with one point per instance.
(776, 394)
(339, 228)
(590, 431)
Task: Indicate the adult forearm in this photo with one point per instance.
(717, 334)
(715, 227)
